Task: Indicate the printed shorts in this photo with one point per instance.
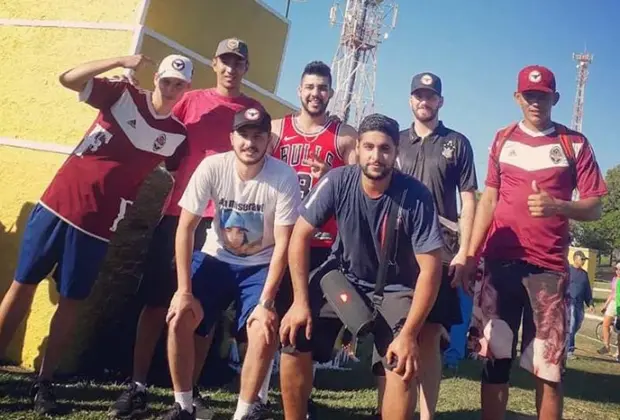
(513, 290)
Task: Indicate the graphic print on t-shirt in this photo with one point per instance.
(242, 230)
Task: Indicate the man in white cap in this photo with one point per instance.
(69, 229)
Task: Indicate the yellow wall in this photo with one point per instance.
(118, 11)
(591, 263)
(199, 25)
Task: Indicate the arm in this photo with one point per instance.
(466, 221)
(468, 184)
(585, 210)
(346, 144)
(77, 77)
(482, 219)
(276, 127)
(277, 265)
(183, 248)
(299, 260)
(588, 294)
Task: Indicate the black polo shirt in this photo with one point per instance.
(443, 161)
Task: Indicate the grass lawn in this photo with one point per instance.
(592, 390)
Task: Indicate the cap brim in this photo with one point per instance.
(173, 74)
(256, 124)
(536, 89)
(238, 54)
(426, 88)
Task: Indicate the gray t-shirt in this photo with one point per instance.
(361, 220)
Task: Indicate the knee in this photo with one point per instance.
(182, 324)
(256, 337)
(497, 371)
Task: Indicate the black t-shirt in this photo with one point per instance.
(361, 220)
(443, 161)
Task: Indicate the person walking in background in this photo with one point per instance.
(579, 293)
(610, 311)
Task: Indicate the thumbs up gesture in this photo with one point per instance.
(540, 203)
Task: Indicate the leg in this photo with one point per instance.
(429, 374)
(606, 333)
(572, 329)
(150, 326)
(399, 398)
(256, 363)
(548, 400)
(201, 351)
(296, 383)
(13, 309)
(494, 389)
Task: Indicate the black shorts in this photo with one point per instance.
(326, 326)
(447, 308)
(159, 281)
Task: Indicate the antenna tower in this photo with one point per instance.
(583, 62)
(365, 24)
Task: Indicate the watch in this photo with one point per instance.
(268, 304)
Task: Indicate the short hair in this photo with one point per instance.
(381, 123)
(318, 68)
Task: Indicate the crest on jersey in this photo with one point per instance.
(448, 150)
(252, 114)
(427, 79)
(160, 142)
(556, 155)
(535, 76)
(178, 64)
(233, 44)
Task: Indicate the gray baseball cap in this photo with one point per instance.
(233, 46)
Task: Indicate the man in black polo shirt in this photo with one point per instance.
(443, 160)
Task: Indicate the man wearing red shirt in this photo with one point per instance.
(208, 115)
(521, 229)
(69, 229)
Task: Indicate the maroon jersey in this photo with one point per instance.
(294, 147)
(525, 157)
(127, 140)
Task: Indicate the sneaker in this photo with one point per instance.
(132, 402)
(603, 350)
(176, 413)
(258, 411)
(43, 398)
(311, 411)
(201, 405)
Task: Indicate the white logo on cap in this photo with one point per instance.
(178, 64)
(426, 79)
(535, 76)
(252, 114)
(233, 44)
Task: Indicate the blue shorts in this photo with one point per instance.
(217, 284)
(50, 243)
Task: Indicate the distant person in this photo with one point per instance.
(610, 311)
(70, 227)
(260, 193)
(521, 231)
(579, 293)
(208, 115)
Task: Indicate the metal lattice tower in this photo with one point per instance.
(583, 61)
(365, 24)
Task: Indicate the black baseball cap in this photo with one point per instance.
(426, 81)
(580, 254)
(252, 117)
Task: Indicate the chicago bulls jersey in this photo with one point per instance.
(100, 179)
(294, 147)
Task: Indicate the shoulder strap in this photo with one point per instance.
(499, 144)
(569, 151)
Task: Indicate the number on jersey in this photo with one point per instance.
(97, 137)
(122, 210)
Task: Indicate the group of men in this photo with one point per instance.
(264, 213)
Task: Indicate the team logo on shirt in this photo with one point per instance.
(556, 154)
(178, 64)
(160, 142)
(535, 76)
(448, 150)
(426, 79)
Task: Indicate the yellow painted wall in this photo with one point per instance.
(591, 263)
(199, 25)
(33, 105)
(203, 76)
(117, 11)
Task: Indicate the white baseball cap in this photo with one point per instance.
(177, 66)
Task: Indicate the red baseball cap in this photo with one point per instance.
(536, 78)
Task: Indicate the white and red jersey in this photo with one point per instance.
(527, 156)
(125, 143)
(294, 147)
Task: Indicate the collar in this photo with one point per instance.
(432, 136)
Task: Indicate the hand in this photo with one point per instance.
(298, 316)
(268, 321)
(469, 276)
(184, 302)
(318, 167)
(541, 204)
(134, 62)
(458, 269)
(591, 309)
(403, 351)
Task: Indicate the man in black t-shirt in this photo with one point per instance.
(358, 196)
(443, 160)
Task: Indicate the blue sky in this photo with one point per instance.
(477, 47)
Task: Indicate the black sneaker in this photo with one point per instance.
(311, 411)
(175, 413)
(132, 402)
(201, 404)
(258, 411)
(43, 398)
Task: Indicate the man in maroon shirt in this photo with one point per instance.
(521, 231)
(208, 115)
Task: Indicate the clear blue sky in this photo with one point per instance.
(477, 48)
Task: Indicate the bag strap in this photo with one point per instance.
(388, 246)
(503, 136)
(569, 152)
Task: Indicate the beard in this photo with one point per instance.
(384, 171)
(256, 157)
(430, 115)
(321, 111)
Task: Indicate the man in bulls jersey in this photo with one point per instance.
(208, 115)
(69, 229)
(312, 143)
(521, 231)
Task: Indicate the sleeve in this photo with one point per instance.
(493, 178)
(319, 206)
(101, 92)
(588, 292)
(199, 189)
(467, 171)
(424, 225)
(173, 162)
(590, 181)
(288, 200)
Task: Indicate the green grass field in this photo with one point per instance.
(592, 390)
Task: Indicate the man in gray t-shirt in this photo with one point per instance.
(358, 197)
